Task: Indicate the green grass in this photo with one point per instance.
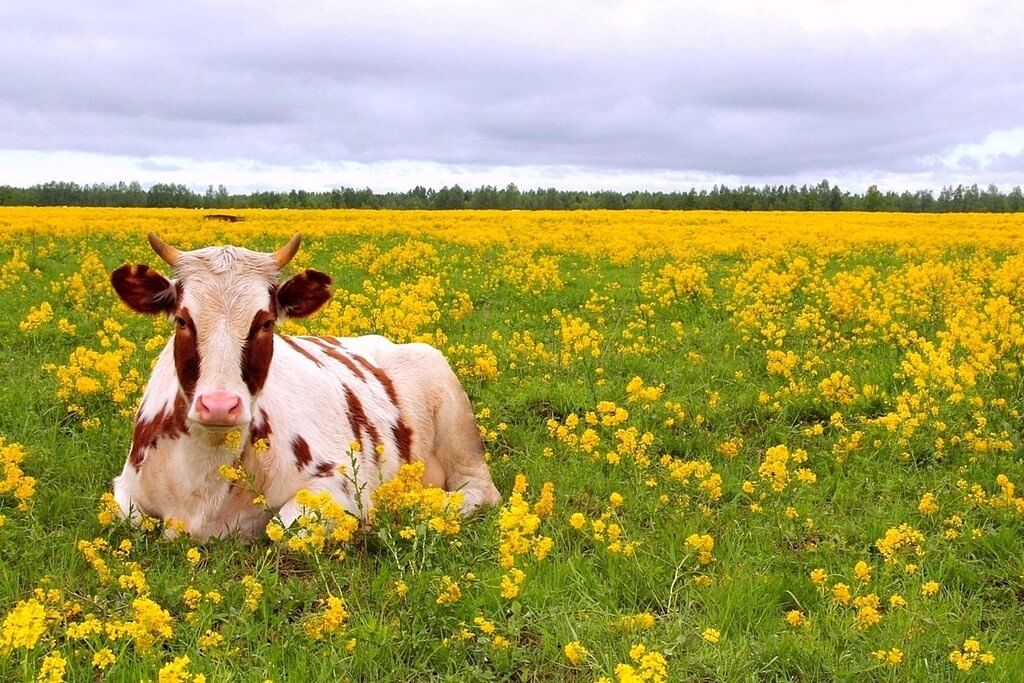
(580, 591)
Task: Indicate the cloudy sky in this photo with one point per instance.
(579, 94)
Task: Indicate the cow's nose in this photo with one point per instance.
(219, 407)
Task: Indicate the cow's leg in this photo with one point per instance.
(339, 488)
(459, 450)
(444, 432)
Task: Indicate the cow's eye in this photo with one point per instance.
(268, 325)
(180, 323)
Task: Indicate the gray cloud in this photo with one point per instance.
(605, 86)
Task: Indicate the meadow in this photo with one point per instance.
(732, 446)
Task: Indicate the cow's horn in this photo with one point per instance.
(163, 250)
(286, 253)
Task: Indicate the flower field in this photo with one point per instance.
(732, 446)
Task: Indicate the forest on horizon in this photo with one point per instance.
(820, 197)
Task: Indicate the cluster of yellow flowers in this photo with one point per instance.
(586, 436)
(607, 527)
(322, 524)
(36, 317)
(483, 631)
(177, 671)
(518, 524)
(101, 374)
(577, 339)
(529, 273)
(704, 544)
(896, 539)
(774, 468)
(405, 505)
(23, 626)
(648, 665)
(14, 481)
(14, 269)
(330, 620)
(674, 282)
(970, 654)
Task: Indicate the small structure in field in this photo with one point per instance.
(227, 217)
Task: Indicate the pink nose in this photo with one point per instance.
(219, 407)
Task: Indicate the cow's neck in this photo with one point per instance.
(199, 458)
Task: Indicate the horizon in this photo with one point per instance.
(202, 189)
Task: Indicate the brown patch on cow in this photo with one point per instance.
(295, 345)
(347, 362)
(304, 293)
(317, 340)
(263, 431)
(258, 351)
(143, 289)
(324, 342)
(381, 376)
(329, 350)
(358, 421)
(169, 425)
(403, 439)
(324, 469)
(186, 352)
(301, 449)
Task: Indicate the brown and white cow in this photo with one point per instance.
(309, 397)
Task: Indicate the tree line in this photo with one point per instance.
(820, 197)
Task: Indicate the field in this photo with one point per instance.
(731, 446)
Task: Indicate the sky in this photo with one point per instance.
(586, 94)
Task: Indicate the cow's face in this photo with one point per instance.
(224, 302)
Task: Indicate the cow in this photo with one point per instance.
(307, 399)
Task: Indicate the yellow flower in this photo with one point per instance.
(545, 504)
(193, 556)
(23, 626)
(862, 571)
(275, 532)
(971, 654)
(819, 577)
(177, 672)
(577, 520)
(927, 505)
(703, 544)
(795, 617)
(191, 597)
(929, 588)
(209, 640)
(332, 619)
(231, 473)
(893, 657)
(150, 622)
(103, 659)
(712, 635)
(450, 591)
(253, 592)
(575, 652)
(109, 511)
(52, 669)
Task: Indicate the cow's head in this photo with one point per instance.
(224, 302)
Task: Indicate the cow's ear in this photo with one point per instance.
(304, 293)
(144, 290)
